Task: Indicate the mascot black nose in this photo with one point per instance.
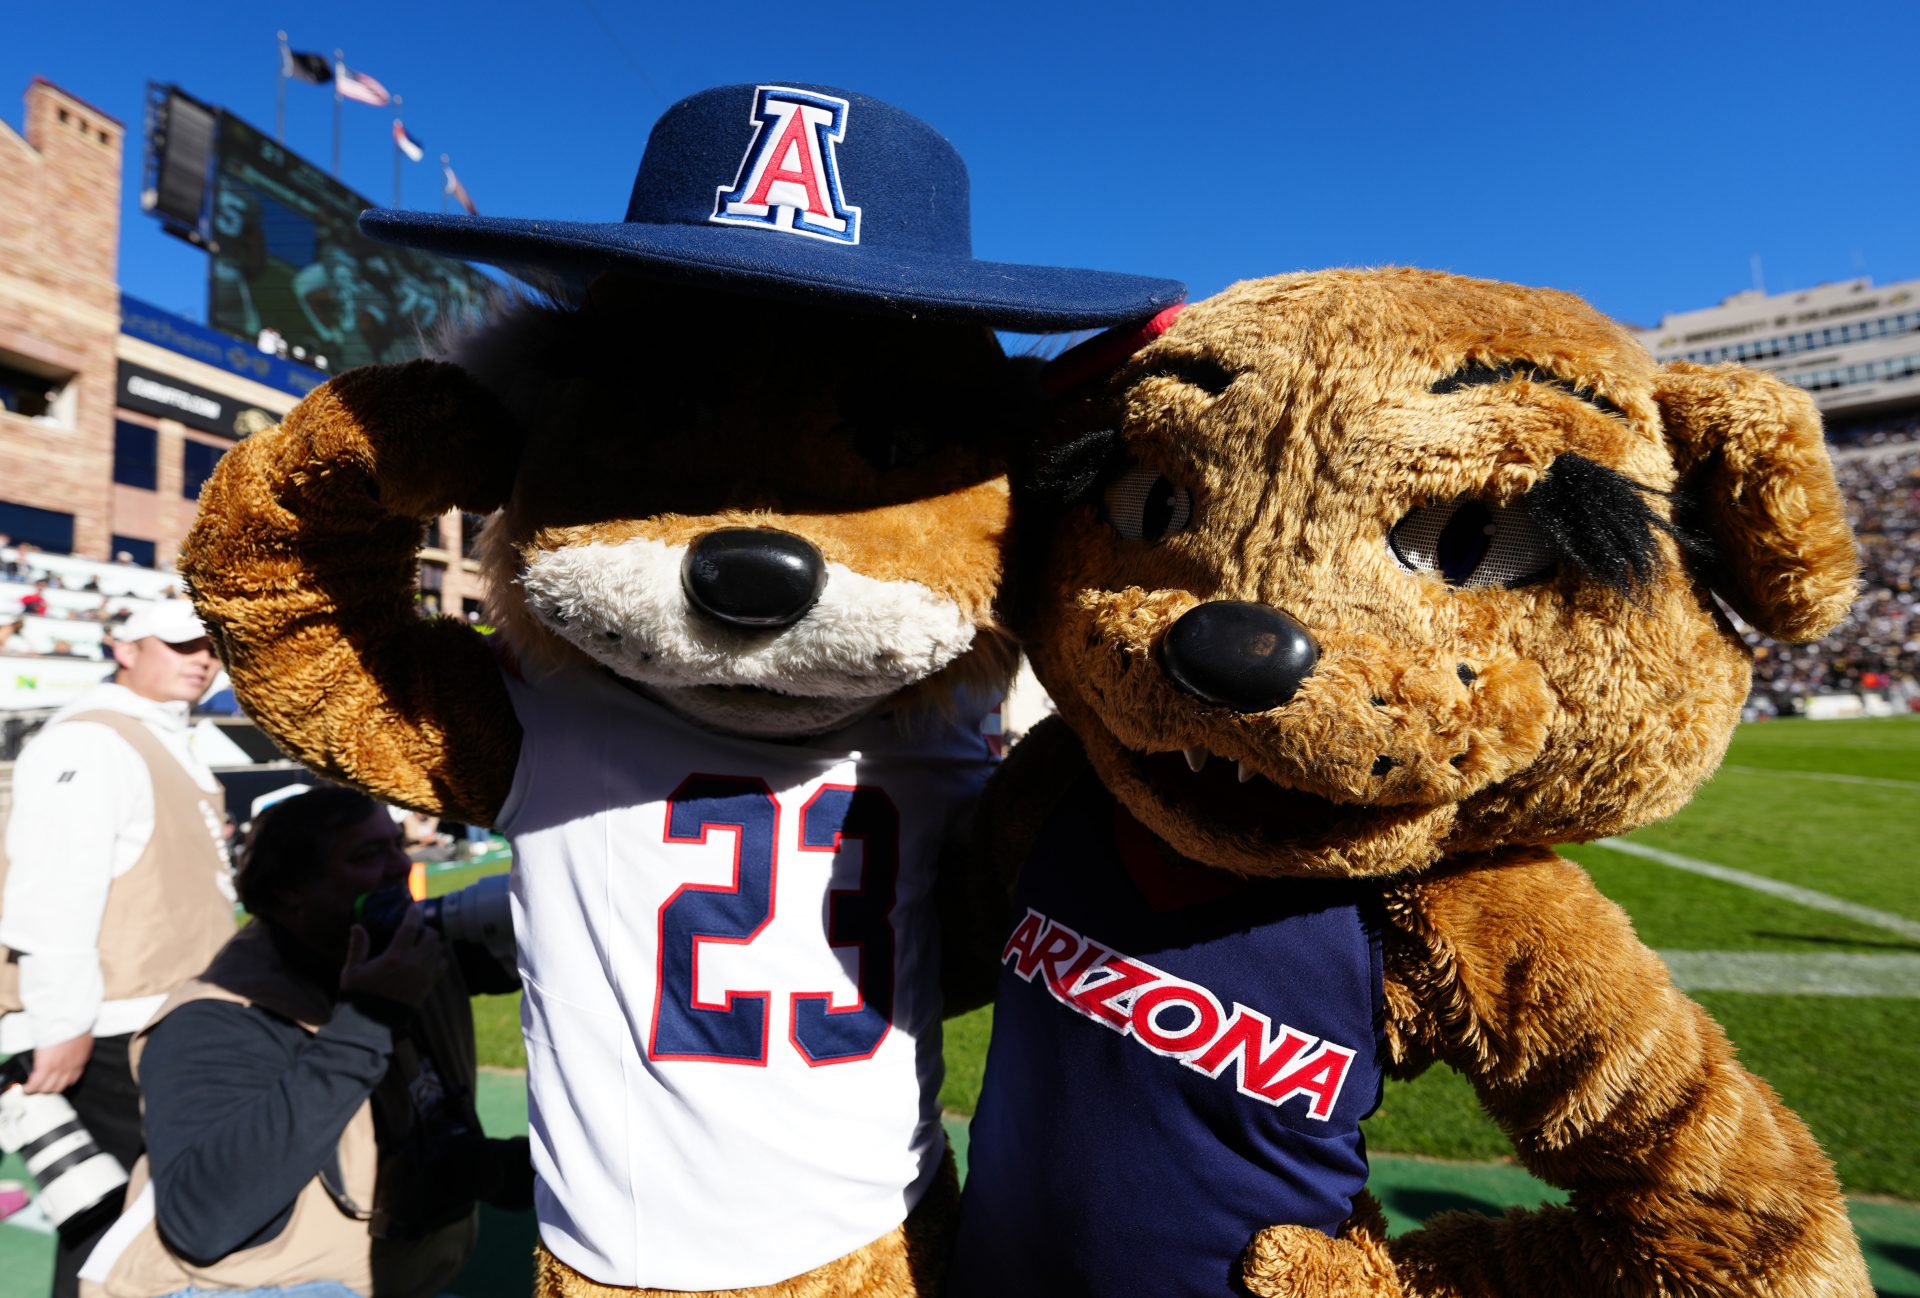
(1248, 657)
(753, 576)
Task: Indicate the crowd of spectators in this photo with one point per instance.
(1877, 649)
(1873, 431)
(34, 626)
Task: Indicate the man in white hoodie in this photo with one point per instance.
(114, 884)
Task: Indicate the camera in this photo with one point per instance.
(480, 914)
(74, 1174)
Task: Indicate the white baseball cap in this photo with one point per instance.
(171, 620)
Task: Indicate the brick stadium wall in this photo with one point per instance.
(59, 301)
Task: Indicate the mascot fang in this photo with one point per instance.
(750, 509)
(1358, 592)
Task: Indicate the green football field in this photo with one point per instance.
(1785, 898)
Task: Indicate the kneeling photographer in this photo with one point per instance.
(309, 1098)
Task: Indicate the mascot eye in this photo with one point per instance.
(1143, 504)
(1472, 544)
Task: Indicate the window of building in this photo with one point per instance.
(470, 525)
(137, 551)
(35, 391)
(51, 531)
(136, 455)
(196, 466)
(471, 608)
(433, 580)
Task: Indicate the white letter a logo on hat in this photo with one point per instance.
(790, 177)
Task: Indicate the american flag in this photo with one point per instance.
(359, 87)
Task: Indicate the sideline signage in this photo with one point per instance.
(48, 682)
(154, 393)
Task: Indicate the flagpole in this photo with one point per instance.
(280, 114)
(396, 153)
(337, 59)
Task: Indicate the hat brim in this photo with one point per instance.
(889, 281)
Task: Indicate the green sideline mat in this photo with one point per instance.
(1410, 1189)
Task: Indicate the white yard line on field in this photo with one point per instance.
(1778, 973)
(1807, 897)
(1828, 776)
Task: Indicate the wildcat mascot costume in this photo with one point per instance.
(748, 508)
(1358, 592)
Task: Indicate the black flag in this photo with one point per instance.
(316, 68)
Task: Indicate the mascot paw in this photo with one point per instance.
(1296, 1262)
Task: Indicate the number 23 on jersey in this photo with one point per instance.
(735, 1031)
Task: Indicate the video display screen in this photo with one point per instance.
(286, 255)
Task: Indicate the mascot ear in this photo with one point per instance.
(1754, 462)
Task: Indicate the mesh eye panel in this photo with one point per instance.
(1143, 504)
(1516, 550)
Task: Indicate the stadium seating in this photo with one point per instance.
(84, 599)
(1874, 657)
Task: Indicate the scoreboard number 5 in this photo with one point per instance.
(736, 1029)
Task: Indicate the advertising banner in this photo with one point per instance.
(154, 393)
(149, 323)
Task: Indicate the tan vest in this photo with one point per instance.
(167, 916)
(327, 1238)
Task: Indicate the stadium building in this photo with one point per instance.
(1855, 347)
(113, 412)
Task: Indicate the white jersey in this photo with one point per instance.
(732, 1008)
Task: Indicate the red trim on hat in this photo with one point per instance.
(1104, 353)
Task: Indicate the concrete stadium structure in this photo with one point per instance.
(1854, 346)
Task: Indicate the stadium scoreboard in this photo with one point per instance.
(285, 252)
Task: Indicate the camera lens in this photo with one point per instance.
(74, 1174)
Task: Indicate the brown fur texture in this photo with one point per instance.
(647, 415)
(301, 564)
(1450, 734)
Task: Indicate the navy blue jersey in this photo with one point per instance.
(1180, 1058)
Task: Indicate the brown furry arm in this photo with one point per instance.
(302, 565)
(981, 869)
(1687, 1174)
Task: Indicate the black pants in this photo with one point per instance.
(107, 1103)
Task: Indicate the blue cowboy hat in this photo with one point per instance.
(803, 192)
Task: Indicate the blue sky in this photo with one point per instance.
(1640, 155)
